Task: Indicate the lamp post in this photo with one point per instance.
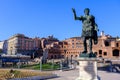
(71, 58)
(53, 64)
(40, 63)
(19, 63)
(61, 66)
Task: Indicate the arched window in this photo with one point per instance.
(75, 55)
(71, 55)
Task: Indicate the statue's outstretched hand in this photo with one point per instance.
(73, 10)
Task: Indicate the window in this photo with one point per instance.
(100, 56)
(117, 45)
(107, 43)
(65, 51)
(105, 53)
(100, 51)
(72, 46)
(115, 52)
(51, 56)
(73, 40)
(55, 56)
(75, 55)
(95, 53)
(62, 56)
(71, 55)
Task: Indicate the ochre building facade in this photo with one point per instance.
(108, 47)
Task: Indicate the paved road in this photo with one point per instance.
(73, 74)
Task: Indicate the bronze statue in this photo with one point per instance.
(89, 29)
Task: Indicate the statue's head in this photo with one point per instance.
(86, 11)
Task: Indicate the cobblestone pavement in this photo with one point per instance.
(73, 74)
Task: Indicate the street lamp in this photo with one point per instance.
(19, 62)
(40, 63)
(71, 58)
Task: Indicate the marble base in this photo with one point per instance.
(87, 69)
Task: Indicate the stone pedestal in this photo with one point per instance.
(87, 69)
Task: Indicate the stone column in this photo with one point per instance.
(87, 69)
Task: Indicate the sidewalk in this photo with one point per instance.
(73, 74)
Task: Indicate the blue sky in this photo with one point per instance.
(42, 18)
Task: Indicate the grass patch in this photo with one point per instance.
(47, 66)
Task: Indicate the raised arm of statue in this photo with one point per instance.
(75, 17)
